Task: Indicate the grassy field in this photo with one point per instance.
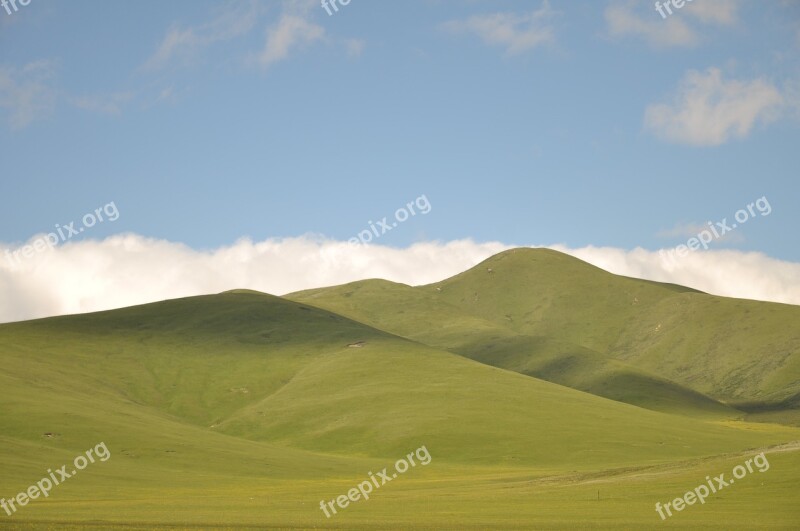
(435, 497)
(535, 387)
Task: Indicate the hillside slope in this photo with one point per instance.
(243, 410)
(730, 349)
(549, 315)
(266, 369)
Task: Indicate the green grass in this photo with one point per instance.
(549, 315)
(245, 410)
(441, 498)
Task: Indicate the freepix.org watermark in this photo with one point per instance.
(8, 5)
(46, 484)
(701, 492)
(328, 4)
(383, 226)
(63, 233)
(718, 230)
(677, 4)
(364, 488)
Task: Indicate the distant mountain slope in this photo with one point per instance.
(542, 292)
(730, 349)
(549, 315)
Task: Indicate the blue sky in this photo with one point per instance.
(575, 123)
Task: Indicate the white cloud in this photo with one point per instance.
(233, 20)
(683, 27)
(290, 32)
(674, 31)
(26, 93)
(129, 269)
(516, 33)
(102, 103)
(746, 275)
(721, 12)
(708, 110)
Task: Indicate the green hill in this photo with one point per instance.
(267, 369)
(549, 315)
(244, 409)
(731, 349)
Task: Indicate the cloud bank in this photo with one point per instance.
(709, 110)
(128, 269)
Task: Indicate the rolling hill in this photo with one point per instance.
(243, 409)
(549, 315)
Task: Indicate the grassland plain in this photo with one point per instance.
(524, 377)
